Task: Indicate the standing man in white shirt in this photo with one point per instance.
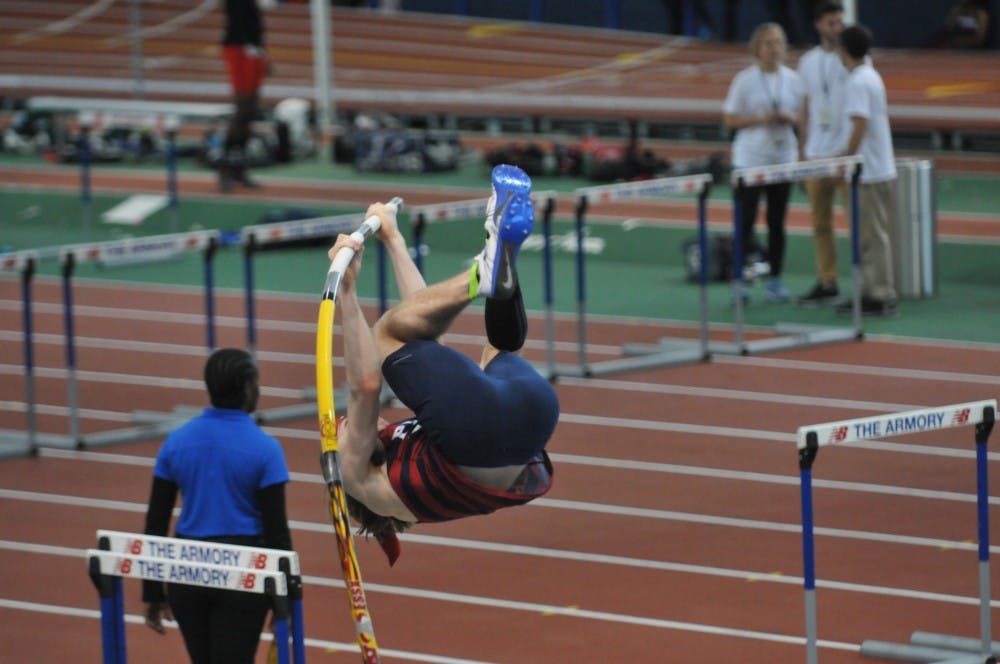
(822, 134)
(763, 106)
(867, 114)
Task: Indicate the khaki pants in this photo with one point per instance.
(821, 194)
(876, 202)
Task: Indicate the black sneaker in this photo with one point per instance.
(820, 294)
(869, 307)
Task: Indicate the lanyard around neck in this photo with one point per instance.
(775, 98)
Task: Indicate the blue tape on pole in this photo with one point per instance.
(547, 258)
(580, 270)
(209, 301)
(808, 549)
(855, 220)
(68, 313)
(248, 284)
(84, 149)
(172, 169)
(29, 347)
(298, 632)
(109, 632)
(281, 638)
(702, 242)
(738, 235)
(119, 608)
(983, 500)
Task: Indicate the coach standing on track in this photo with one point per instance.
(231, 476)
(247, 65)
(763, 106)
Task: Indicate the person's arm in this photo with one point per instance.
(803, 128)
(408, 277)
(274, 517)
(162, 497)
(743, 121)
(365, 482)
(735, 112)
(859, 125)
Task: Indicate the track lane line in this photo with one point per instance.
(575, 506)
(514, 605)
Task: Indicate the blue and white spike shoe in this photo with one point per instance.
(510, 216)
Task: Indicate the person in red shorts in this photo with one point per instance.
(247, 65)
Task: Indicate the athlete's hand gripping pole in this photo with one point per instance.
(329, 459)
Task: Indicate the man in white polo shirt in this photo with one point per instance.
(867, 113)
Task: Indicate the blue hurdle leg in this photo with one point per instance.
(118, 597)
(983, 510)
(806, 457)
(281, 639)
(298, 633)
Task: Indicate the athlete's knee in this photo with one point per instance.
(387, 338)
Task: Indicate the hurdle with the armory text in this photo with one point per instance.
(664, 353)
(935, 648)
(273, 572)
(794, 336)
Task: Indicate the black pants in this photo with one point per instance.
(219, 626)
(777, 204)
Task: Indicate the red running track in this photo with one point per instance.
(671, 533)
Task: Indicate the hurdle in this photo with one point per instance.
(116, 252)
(422, 215)
(665, 353)
(266, 237)
(793, 336)
(167, 122)
(25, 262)
(272, 572)
(95, 112)
(930, 648)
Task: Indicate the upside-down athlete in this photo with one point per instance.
(477, 440)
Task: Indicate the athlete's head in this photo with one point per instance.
(370, 523)
(232, 379)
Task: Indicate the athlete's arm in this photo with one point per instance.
(408, 277)
(363, 370)
(359, 436)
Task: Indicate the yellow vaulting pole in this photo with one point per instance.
(330, 452)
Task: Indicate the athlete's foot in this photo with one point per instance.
(510, 216)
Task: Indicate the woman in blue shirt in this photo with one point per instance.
(232, 478)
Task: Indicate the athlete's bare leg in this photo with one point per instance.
(425, 314)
